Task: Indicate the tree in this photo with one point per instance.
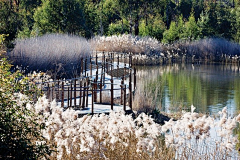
(204, 27)
(170, 12)
(225, 22)
(192, 30)
(9, 19)
(91, 18)
(171, 34)
(185, 8)
(26, 12)
(180, 28)
(59, 17)
(236, 12)
(217, 20)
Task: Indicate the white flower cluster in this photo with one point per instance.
(125, 43)
(202, 137)
(107, 136)
(97, 134)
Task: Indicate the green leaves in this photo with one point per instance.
(18, 128)
(59, 17)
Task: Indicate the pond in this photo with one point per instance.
(208, 87)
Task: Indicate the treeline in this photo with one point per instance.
(166, 20)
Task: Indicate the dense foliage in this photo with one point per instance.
(166, 20)
(20, 134)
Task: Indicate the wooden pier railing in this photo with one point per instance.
(99, 75)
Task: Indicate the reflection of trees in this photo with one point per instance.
(237, 94)
(191, 88)
(205, 87)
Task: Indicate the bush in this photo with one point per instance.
(118, 28)
(56, 53)
(2, 45)
(20, 135)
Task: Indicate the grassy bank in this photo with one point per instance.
(149, 51)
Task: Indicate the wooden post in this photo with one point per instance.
(97, 73)
(91, 69)
(122, 82)
(80, 93)
(112, 93)
(107, 64)
(75, 93)
(58, 91)
(124, 98)
(92, 100)
(104, 63)
(87, 93)
(83, 102)
(101, 89)
(62, 102)
(131, 60)
(96, 59)
(118, 60)
(95, 90)
(53, 91)
(71, 89)
(129, 63)
(135, 80)
(48, 91)
(81, 66)
(130, 89)
(68, 98)
(112, 57)
(125, 70)
(85, 67)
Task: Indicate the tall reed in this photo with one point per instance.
(126, 44)
(149, 51)
(57, 53)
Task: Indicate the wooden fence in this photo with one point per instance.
(98, 74)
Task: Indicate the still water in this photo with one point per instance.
(208, 87)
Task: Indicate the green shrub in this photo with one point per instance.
(118, 28)
(20, 135)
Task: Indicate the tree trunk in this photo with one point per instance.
(122, 28)
(136, 26)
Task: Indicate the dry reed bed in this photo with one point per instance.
(149, 51)
(120, 136)
(60, 54)
(125, 44)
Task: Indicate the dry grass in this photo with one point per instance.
(56, 53)
(119, 136)
(126, 44)
(148, 51)
(210, 49)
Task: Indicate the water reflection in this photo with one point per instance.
(208, 87)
